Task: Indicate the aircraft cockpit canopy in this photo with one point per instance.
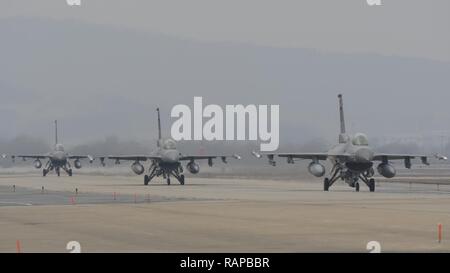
(360, 140)
(59, 148)
(169, 144)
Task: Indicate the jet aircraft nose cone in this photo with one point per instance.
(364, 154)
(170, 156)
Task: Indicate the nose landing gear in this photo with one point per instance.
(372, 185)
(166, 173)
(351, 178)
(326, 184)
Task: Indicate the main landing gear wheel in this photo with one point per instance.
(69, 172)
(58, 172)
(182, 179)
(357, 186)
(326, 184)
(372, 185)
(168, 181)
(146, 180)
(44, 172)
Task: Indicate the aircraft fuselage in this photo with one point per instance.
(58, 158)
(359, 160)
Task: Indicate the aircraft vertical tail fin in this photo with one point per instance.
(341, 113)
(56, 132)
(343, 137)
(159, 126)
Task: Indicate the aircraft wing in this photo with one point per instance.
(313, 156)
(81, 157)
(396, 156)
(406, 157)
(291, 156)
(91, 158)
(209, 157)
(78, 156)
(30, 156)
(133, 157)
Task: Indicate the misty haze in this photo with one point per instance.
(104, 84)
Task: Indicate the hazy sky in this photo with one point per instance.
(103, 68)
(417, 28)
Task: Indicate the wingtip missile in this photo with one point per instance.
(256, 154)
(441, 157)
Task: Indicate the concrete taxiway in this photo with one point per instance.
(120, 214)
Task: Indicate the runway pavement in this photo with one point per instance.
(120, 214)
